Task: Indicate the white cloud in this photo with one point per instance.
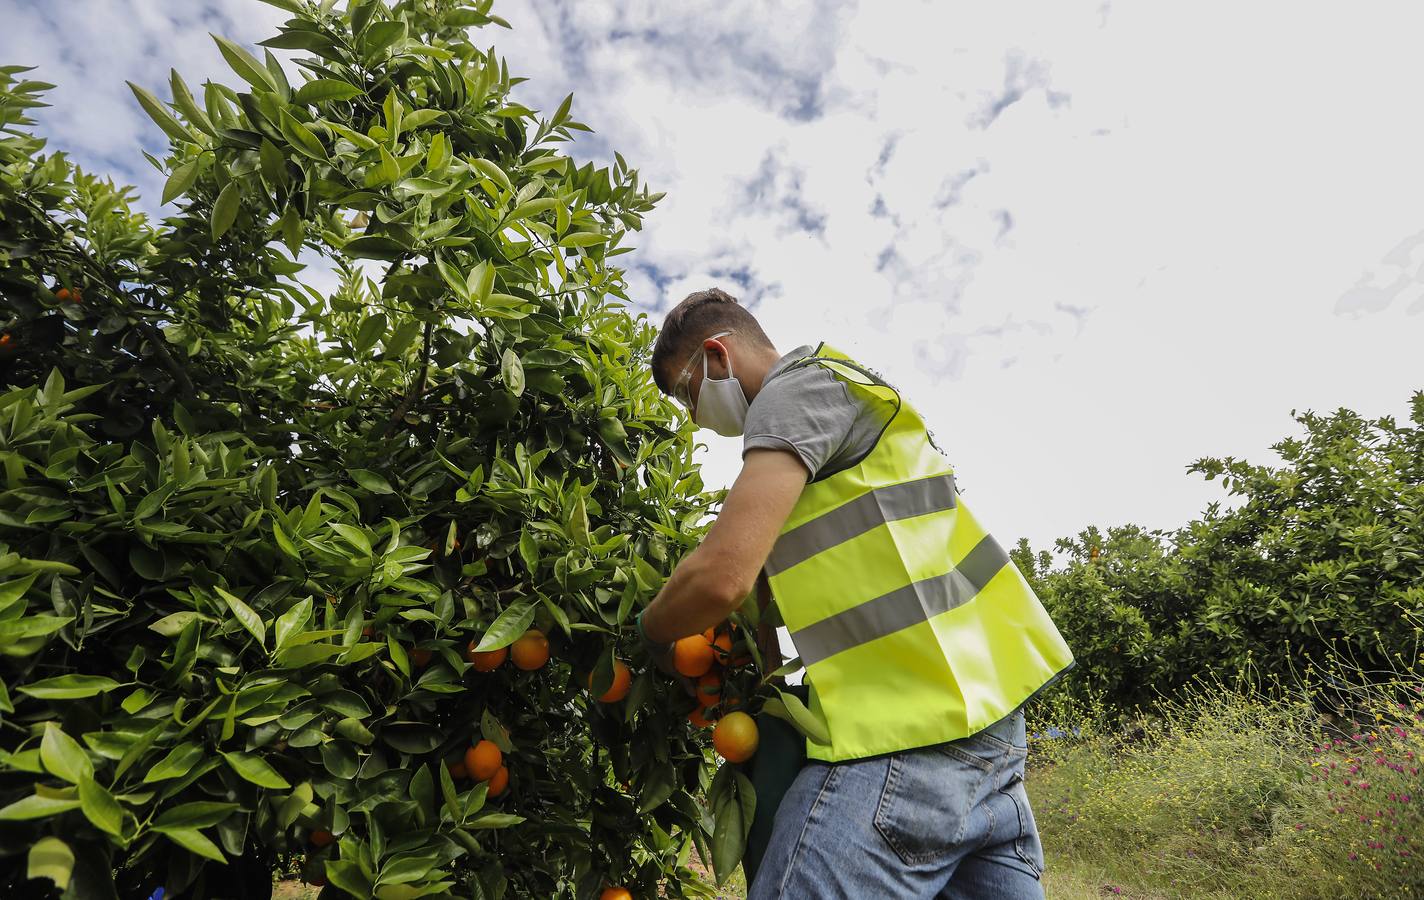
(1091, 243)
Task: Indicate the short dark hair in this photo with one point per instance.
(700, 315)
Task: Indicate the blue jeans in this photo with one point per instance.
(950, 822)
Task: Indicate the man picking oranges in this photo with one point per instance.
(920, 638)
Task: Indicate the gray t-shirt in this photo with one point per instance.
(810, 412)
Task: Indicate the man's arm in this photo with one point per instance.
(711, 581)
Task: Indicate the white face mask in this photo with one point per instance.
(721, 405)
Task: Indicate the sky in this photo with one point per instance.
(1090, 242)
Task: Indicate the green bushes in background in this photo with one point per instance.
(1320, 556)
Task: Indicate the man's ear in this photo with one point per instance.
(716, 358)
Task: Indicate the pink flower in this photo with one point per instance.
(1354, 855)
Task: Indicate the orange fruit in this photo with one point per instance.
(457, 769)
(692, 656)
(709, 689)
(5, 340)
(483, 760)
(420, 657)
(697, 718)
(615, 893)
(531, 651)
(367, 632)
(622, 679)
(498, 782)
(65, 295)
(487, 660)
(735, 737)
(322, 838)
(710, 634)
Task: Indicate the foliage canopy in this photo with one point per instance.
(249, 529)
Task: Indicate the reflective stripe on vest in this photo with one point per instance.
(887, 504)
(914, 625)
(914, 603)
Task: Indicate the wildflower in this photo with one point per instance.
(1354, 855)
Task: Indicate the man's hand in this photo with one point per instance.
(711, 581)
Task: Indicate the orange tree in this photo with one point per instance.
(263, 547)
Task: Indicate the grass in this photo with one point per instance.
(1241, 792)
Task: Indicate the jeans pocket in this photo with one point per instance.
(925, 805)
(1026, 843)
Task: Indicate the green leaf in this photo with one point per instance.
(12, 591)
(512, 371)
(192, 839)
(273, 164)
(494, 820)
(255, 769)
(292, 622)
(292, 228)
(790, 708)
(100, 807)
(301, 137)
(225, 209)
(138, 748)
(389, 171)
(63, 756)
(583, 239)
(507, 626)
(728, 835)
(380, 36)
(201, 814)
(183, 99)
(371, 330)
(374, 246)
(245, 615)
(354, 731)
(493, 172)
(246, 65)
(420, 118)
(160, 114)
(347, 876)
(371, 481)
(578, 520)
(324, 90)
(347, 703)
(68, 687)
(452, 277)
(533, 208)
(529, 551)
(291, 808)
(438, 154)
(174, 623)
(492, 730)
(307, 654)
(36, 807)
(398, 341)
(178, 763)
(182, 178)
(51, 858)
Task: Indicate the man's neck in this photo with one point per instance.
(756, 370)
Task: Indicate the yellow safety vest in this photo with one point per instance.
(914, 626)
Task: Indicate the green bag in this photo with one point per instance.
(781, 753)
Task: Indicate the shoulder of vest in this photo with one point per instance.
(828, 357)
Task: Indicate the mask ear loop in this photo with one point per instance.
(706, 377)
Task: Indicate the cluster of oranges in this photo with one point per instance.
(705, 657)
(483, 762)
(529, 652)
